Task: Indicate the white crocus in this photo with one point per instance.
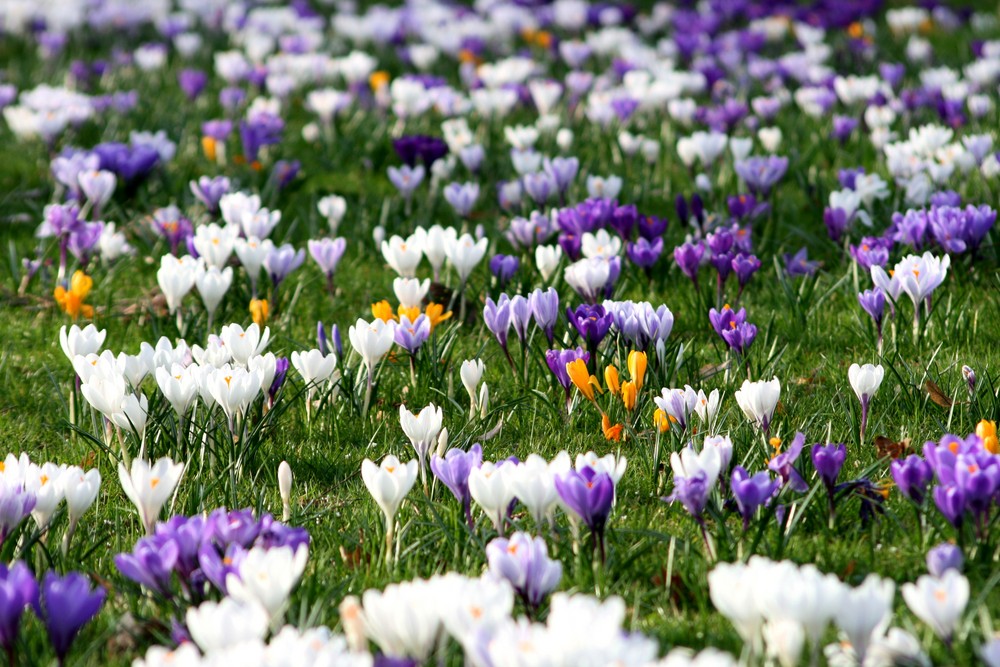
(245, 343)
(216, 626)
(489, 488)
(758, 401)
(864, 612)
(80, 490)
(471, 373)
(176, 277)
(179, 386)
(464, 253)
(410, 292)
(403, 255)
(389, 483)
(149, 487)
(939, 601)
(212, 285)
(267, 577)
(76, 341)
(865, 381)
(422, 429)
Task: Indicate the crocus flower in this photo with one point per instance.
(453, 470)
(151, 563)
(266, 577)
(783, 463)
(873, 303)
(939, 601)
(496, 316)
(545, 310)
(504, 267)
(18, 590)
(389, 483)
(799, 264)
(591, 322)
(16, 503)
(865, 380)
(65, 605)
(462, 197)
(422, 429)
(828, 460)
(758, 400)
(489, 487)
(688, 257)
(744, 266)
(558, 360)
(761, 174)
(751, 492)
(149, 487)
(588, 494)
(327, 254)
(281, 261)
(945, 556)
(524, 562)
(412, 335)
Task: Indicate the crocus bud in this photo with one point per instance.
(442, 443)
(285, 488)
(970, 378)
(378, 235)
(484, 400)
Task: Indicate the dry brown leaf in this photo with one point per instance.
(937, 394)
(708, 370)
(889, 448)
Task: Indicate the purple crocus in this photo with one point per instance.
(280, 373)
(799, 264)
(281, 261)
(453, 470)
(688, 257)
(130, 164)
(828, 460)
(169, 223)
(744, 266)
(263, 129)
(504, 267)
(210, 190)
(406, 179)
(520, 317)
(496, 316)
(588, 494)
(784, 464)
(545, 310)
(871, 251)
(761, 174)
(323, 343)
(563, 172)
(65, 605)
(18, 590)
(733, 328)
(945, 556)
(751, 492)
(912, 475)
(192, 82)
(592, 322)
(557, 360)
(524, 562)
(412, 335)
(843, 128)
(416, 147)
(692, 492)
(539, 186)
(151, 563)
(644, 253)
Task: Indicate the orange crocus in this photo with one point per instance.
(259, 311)
(611, 432)
(581, 377)
(436, 314)
(987, 432)
(630, 394)
(71, 300)
(383, 311)
(611, 379)
(637, 368)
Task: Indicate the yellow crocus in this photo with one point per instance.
(259, 311)
(71, 300)
(630, 393)
(611, 379)
(987, 432)
(378, 79)
(411, 313)
(581, 377)
(436, 314)
(208, 145)
(383, 311)
(661, 421)
(637, 368)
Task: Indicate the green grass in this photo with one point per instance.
(809, 334)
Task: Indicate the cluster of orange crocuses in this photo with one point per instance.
(627, 391)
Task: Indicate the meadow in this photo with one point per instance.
(523, 334)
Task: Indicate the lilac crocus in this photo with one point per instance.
(261, 130)
(523, 561)
(945, 556)
(751, 492)
(210, 190)
(65, 605)
(281, 261)
(520, 317)
(873, 303)
(588, 494)
(783, 463)
(692, 492)
(412, 335)
(324, 343)
(151, 563)
(843, 128)
(327, 254)
(545, 310)
(16, 503)
(18, 590)
(761, 174)
(871, 251)
(462, 197)
(496, 316)
(688, 257)
(539, 186)
(453, 470)
(563, 171)
(406, 179)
